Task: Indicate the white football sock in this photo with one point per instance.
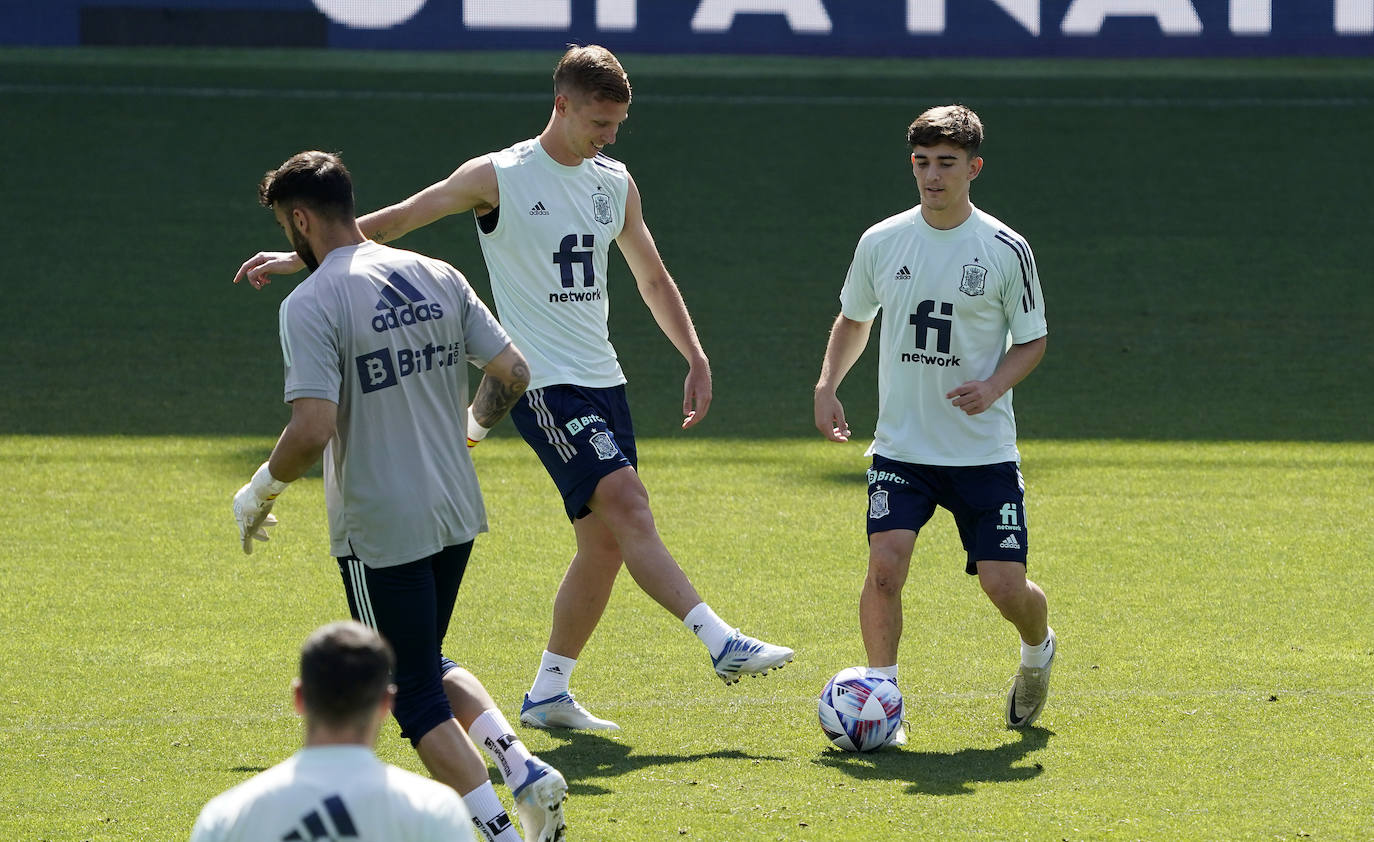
(492, 821)
(1038, 655)
(493, 734)
(709, 629)
(555, 671)
(890, 672)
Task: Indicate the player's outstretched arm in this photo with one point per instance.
(847, 341)
(664, 300)
(473, 185)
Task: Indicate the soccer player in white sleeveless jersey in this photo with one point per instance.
(335, 787)
(547, 210)
(963, 322)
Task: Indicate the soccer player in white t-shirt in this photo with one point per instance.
(547, 210)
(376, 343)
(963, 322)
(335, 787)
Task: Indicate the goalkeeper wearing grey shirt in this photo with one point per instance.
(376, 344)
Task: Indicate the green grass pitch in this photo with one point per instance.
(1197, 445)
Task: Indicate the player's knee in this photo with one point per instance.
(886, 574)
(1005, 592)
(620, 496)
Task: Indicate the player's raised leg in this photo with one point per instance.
(622, 503)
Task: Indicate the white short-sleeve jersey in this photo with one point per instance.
(388, 335)
(335, 792)
(547, 256)
(953, 301)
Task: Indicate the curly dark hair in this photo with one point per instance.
(316, 179)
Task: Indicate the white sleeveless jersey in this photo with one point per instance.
(547, 257)
(335, 792)
(952, 302)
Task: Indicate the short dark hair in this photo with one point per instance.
(346, 670)
(316, 179)
(954, 124)
(592, 70)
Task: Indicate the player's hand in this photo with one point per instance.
(973, 397)
(253, 507)
(696, 395)
(256, 268)
(830, 418)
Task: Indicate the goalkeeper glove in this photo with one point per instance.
(476, 432)
(253, 507)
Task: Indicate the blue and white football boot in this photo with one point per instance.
(539, 802)
(743, 655)
(562, 711)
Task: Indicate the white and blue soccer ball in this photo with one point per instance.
(860, 711)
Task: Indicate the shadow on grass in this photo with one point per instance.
(939, 773)
(587, 757)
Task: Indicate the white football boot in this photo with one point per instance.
(743, 655)
(562, 711)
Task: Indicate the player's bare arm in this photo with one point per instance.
(975, 396)
(664, 300)
(312, 425)
(471, 186)
(504, 380)
(848, 339)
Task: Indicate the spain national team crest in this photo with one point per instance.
(974, 278)
(605, 448)
(601, 208)
(877, 504)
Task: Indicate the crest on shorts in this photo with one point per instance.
(974, 278)
(601, 208)
(877, 504)
(605, 447)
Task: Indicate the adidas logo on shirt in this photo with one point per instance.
(903, 274)
(318, 824)
(1010, 543)
(399, 306)
(539, 210)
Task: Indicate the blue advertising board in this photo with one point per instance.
(912, 28)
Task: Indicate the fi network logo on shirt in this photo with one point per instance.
(401, 306)
(332, 823)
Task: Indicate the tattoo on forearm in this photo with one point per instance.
(495, 396)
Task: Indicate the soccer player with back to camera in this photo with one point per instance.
(546, 211)
(335, 787)
(963, 323)
(386, 405)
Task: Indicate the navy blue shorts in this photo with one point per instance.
(581, 434)
(410, 606)
(988, 503)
